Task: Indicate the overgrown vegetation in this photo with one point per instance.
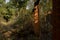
(14, 16)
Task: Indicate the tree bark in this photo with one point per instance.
(36, 18)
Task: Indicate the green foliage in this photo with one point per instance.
(8, 11)
(46, 5)
(1, 1)
(10, 8)
(19, 3)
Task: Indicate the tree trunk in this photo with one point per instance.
(36, 18)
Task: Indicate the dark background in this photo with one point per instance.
(56, 19)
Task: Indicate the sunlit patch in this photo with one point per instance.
(7, 1)
(27, 7)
